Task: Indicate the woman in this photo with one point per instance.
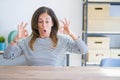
(44, 47)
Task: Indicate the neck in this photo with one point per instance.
(42, 36)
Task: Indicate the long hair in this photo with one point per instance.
(34, 25)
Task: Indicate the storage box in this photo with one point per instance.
(97, 55)
(104, 24)
(115, 53)
(98, 43)
(98, 10)
(100, 20)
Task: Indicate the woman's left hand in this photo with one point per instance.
(65, 29)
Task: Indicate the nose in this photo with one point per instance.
(44, 24)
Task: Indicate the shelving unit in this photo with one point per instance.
(98, 23)
(84, 28)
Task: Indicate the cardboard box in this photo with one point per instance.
(98, 43)
(97, 55)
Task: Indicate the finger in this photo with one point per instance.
(26, 33)
(62, 21)
(65, 20)
(25, 25)
(19, 28)
(21, 24)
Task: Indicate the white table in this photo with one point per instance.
(58, 73)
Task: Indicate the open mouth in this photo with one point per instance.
(44, 30)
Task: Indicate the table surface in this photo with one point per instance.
(58, 73)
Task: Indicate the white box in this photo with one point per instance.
(98, 10)
(115, 53)
(99, 43)
(97, 55)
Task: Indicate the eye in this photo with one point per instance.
(40, 21)
(47, 21)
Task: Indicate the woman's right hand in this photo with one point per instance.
(22, 32)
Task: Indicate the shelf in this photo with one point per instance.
(103, 0)
(1, 52)
(92, 63)
(102, 24)
(84, 2)
(102, 32)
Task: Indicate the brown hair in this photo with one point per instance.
(34, 25)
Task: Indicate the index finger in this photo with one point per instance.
(25, 25)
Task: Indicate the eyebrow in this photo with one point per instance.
(41, 19)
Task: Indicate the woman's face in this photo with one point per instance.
(45, 24)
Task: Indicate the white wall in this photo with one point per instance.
(12, 12)
(15, 11)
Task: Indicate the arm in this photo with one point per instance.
(13, 51)
(76, 44)
(15, 48)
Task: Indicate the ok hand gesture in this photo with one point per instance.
(22, 32)
(65, 29)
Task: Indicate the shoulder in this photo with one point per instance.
(64, 37)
